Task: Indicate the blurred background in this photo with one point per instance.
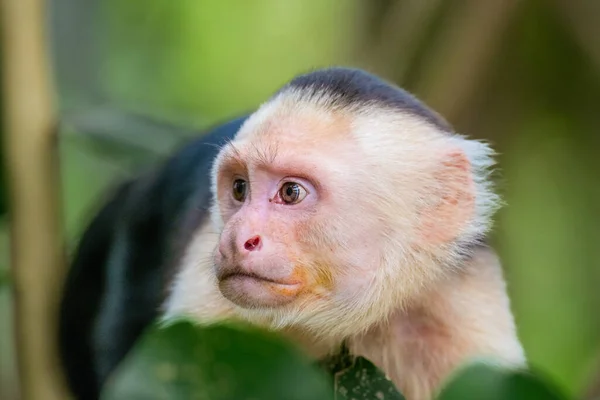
(136, 78)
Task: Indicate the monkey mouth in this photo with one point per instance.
(249, 275)
(251, 290)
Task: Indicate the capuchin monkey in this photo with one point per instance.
(343, 210)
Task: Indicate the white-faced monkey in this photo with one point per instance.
(342, 211)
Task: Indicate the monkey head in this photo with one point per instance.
(340, 200)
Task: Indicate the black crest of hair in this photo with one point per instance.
(126, 257)
(351, 86)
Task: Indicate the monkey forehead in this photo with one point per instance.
(283, 130)
(289, 127)
(291, 119)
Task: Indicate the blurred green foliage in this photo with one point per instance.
(486, 381)
(4, 279)
(203, 60)
(216, 363)
(223, 362)
(3, 194)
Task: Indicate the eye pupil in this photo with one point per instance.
(239, 189)
(292, 193)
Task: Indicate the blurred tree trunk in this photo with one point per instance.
(36, 242)
(459, 58)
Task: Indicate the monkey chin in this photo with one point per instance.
(251, 291)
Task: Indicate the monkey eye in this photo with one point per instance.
(292, 193)
(239, 190)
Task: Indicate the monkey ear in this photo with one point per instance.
(452, 204)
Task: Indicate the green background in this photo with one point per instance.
(535, 96)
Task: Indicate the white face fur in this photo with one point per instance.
(343, 216)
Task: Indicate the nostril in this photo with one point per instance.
(253, 243)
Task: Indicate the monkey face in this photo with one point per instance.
(294, 243)
(330, 220)
(265, 257)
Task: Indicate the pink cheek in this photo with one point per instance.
(288, 232)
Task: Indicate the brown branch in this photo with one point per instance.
(592, 388)
(462, 54)
(401, 35)
(36, 241)
(581, 18)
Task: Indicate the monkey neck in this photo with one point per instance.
(317, 347)
(467, 315)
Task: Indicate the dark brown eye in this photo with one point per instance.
(292, 193)
(239, 190)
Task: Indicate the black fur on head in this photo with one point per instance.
(350, 87)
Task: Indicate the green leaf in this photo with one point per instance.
(363, 381)
(481, 381)
(184, 361)
(357, 378)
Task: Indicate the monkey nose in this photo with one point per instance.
(253, 244)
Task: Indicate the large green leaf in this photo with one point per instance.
(183, 361)
(222, 362)
(482, 381)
